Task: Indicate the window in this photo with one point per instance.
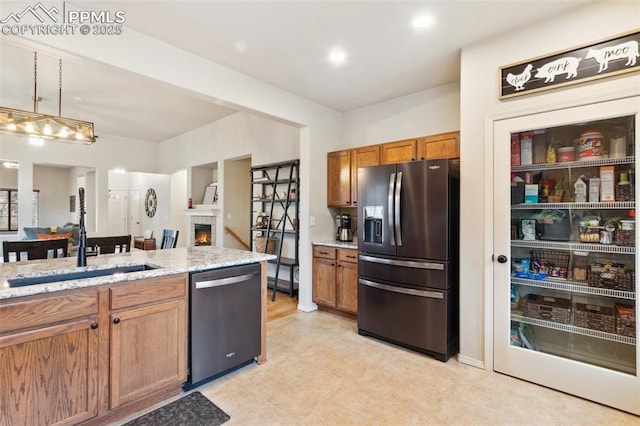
(9, 209)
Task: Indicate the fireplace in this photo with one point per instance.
(202, 234)
(201, 228)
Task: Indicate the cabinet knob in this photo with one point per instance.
(94, 325)
(116, 320)
(502, 259)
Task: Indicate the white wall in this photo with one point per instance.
(178, 189)
(479, 102)
(419, 114)
(53, 184)
(236, 202)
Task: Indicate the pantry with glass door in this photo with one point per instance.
(565, 250)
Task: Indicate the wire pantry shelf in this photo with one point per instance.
(574, 164)
(575, 330)
(574, 287)
(619, 205)
(559, 245)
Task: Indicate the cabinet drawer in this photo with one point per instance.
(324, 252)
(148, 291)
(347, 255)
(34, 311)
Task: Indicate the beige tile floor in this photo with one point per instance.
(321, 372)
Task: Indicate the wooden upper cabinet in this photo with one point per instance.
(362, 157)
(398, 152)
(339, 178)
(445, 145)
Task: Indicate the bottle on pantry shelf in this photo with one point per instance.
(623, 188)
(551, 154)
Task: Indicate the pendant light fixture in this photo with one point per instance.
(39, 126)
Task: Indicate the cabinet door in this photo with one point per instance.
(446, 145)
(362, 157)
(347, 286)
(324, 281)
(339, 179)
(398, 152)
(557, 290)
(148, 350)
(50, 376)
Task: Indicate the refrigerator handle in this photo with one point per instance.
(392, 181)
(398, 211)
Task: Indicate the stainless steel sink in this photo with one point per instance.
(78, 275)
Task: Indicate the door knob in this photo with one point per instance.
(116, 320)
(502, 258)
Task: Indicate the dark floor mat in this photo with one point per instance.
(192, 410)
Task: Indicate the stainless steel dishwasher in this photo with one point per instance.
(224, 321)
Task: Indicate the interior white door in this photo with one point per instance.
(117, 212)
(135, 207)
(561, 353)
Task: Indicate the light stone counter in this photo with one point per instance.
(338, 244)
(173, 261)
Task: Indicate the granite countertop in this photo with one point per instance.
(168, 262)
(339, 244)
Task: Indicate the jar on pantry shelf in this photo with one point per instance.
(623, 188)
(566, 153)
(590, 145)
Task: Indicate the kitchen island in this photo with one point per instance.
(94, 349)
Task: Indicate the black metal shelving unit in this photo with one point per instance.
(274, 213)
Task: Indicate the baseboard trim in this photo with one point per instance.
(471, 361)
(307, 308)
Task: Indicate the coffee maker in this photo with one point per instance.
(343, 228)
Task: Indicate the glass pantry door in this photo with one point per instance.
(565, 242)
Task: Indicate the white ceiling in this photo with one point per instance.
(284, 43)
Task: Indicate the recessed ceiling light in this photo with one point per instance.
(423, 21)
(337, 56)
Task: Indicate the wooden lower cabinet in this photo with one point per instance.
(49, 359)
(147, 351)
(88, 355)
(335, 278)
(50, 375)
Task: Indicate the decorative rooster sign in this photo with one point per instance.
(518, 81)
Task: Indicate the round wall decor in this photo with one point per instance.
(150, 202)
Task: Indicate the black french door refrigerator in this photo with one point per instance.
(408, 223)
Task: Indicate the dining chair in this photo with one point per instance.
(35, 249)
(106, 245)
(169, 238)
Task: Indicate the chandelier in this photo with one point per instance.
(39, 126)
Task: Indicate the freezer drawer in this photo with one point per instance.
(418, 319)
(224, 320)
(414, 272)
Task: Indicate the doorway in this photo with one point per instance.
(117, 212)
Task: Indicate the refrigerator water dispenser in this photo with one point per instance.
(373, 224)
